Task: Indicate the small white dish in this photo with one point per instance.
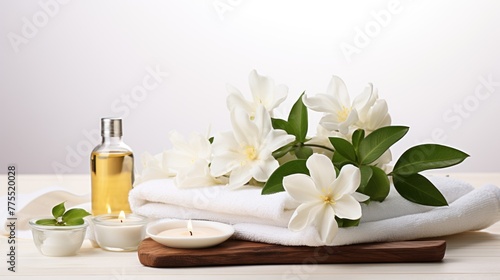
(176, 234)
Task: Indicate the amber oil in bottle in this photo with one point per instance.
(112, 170)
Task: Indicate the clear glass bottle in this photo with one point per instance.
(112, 170)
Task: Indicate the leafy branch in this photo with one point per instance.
(72, 217)
(363, 152)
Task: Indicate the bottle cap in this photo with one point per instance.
(111, 127)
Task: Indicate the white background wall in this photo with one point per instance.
(65, 65)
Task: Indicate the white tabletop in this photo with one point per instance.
(470, 255)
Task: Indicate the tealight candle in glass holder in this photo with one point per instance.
(121, 232)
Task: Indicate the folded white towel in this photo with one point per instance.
(162, 199)
(473, 211)
(265, 218)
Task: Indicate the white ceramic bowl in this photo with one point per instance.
(219, 233)
(58, 241)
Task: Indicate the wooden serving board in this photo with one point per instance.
(237, 252)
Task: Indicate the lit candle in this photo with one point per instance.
(190, 227)
(191, 231)
(190, 234)
(119, 233)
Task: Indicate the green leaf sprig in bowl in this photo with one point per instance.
(71, 217)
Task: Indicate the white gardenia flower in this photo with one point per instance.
(336, 106)
(189, 160)
(197, 175)
(373, 112)
(264, 93)
(323, 196)
(246, 152)
(152, 168)
(367, 111)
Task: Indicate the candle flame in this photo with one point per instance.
(108, 208)
(121, 216)
(190, 227)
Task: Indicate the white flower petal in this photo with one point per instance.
(225, 154)
(197, 175)
(262, 121)
(347, 208)
(262, 89)
(176, 160)
(364, 101)
(377, 115)
(385, 158)
(301, 187)
(276, 139)
(236, 100)
(184, 153)
(222, 164)
(383, 162)
(351, 119)
(280, 94)
(347, 182)
(321, 170)
(304, 215)
(387, 121)
(148, 160)
(263, 170)
(245, 130)
(178, 141)
(360, 197)
(328, 226)
(233, 90)
(330, 122)
(338, 90)
(240, 176)
(321, 103)
(151, 173)
(224, 142)
(199, 146)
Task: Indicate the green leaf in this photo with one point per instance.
(343, 223)
(357, 136)
(58, 210)
(303, 152)
(339, 161)
(378, 185)
(73, 216)
(416, 188)
(344, 148)
(366, 175)
(379, 141)
(298, 120)
(275, 182)
(75, 222)
(211, 140)
(283, 151)
(282, 124)
(427, 156)
(47, 222)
